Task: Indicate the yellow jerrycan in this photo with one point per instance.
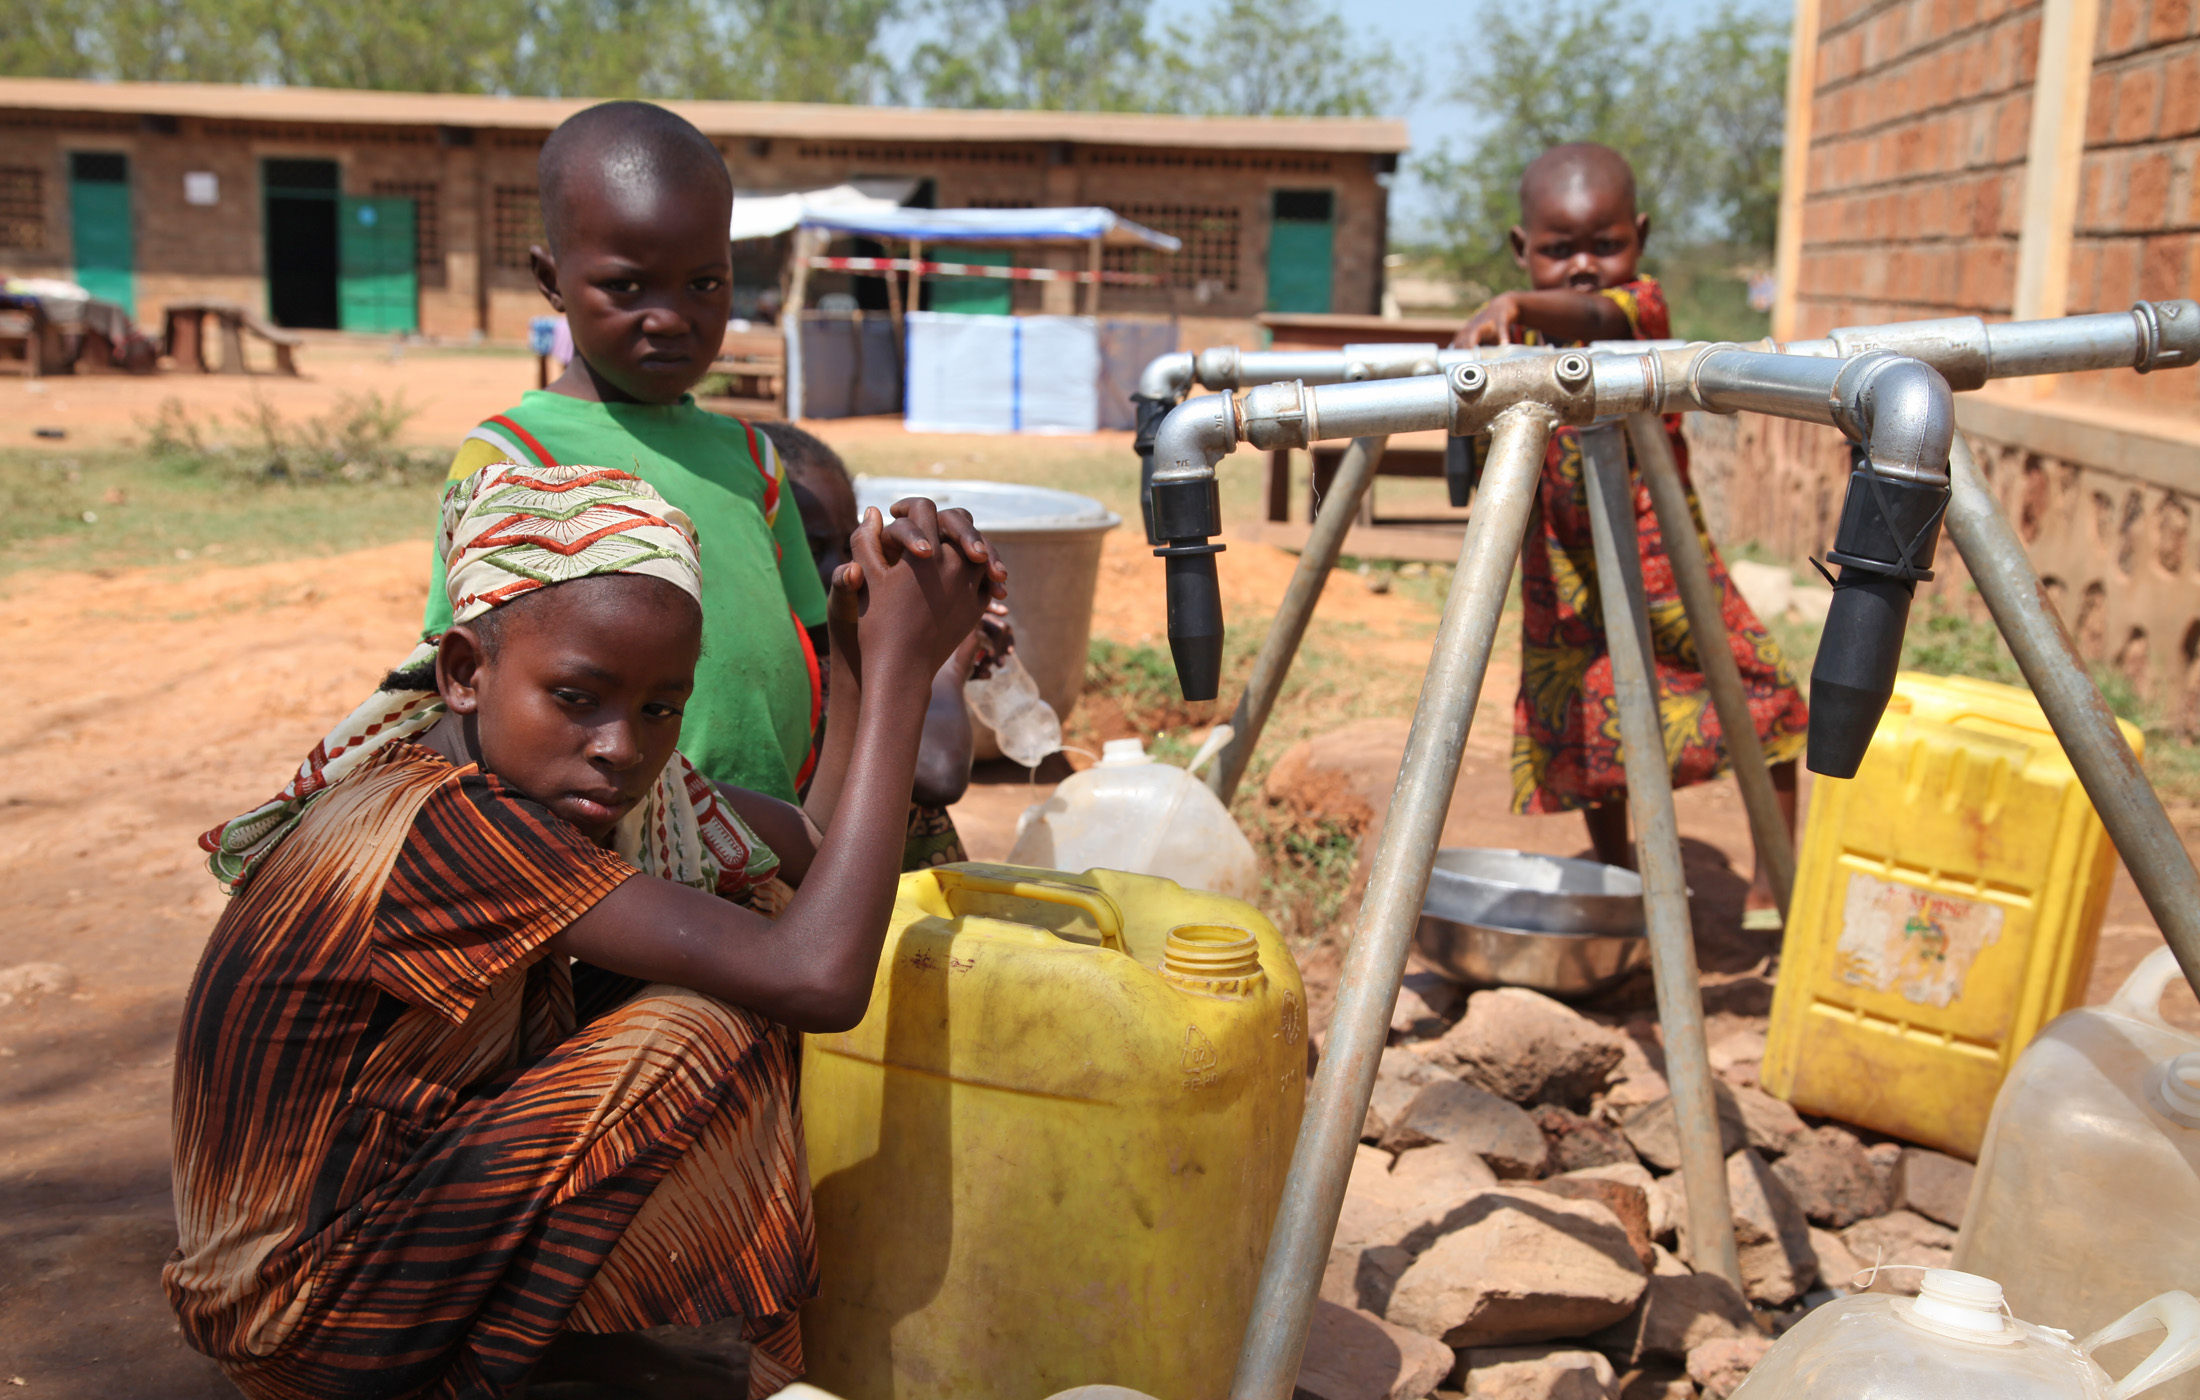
(1051, 1153)
(1947, 905)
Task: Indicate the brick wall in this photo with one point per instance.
(2139, 191)
(477, 275)
(1917, 158)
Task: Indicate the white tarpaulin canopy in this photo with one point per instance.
(1073, 224)
(758, 215)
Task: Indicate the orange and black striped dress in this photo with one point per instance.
(407, 1151)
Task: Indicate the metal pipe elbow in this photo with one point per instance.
(1197, 434)
(1902, 410)
(1166, 377)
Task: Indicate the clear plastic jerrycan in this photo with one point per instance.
(2088, 1190)
(1051, 1153)
(1956, 1341)
(1127, 812)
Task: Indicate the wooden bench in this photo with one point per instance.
(183, 337)
(755, 364)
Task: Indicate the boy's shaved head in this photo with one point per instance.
(1573, 175)
(629, 155)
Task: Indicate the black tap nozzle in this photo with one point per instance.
(1462, 468)
(1187, 515)
(1884, 547)
(1150, 413)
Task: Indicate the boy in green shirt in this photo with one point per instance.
(636, 204)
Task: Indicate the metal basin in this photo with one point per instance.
(1536, 893)
(1514, 919)
(1556, 964)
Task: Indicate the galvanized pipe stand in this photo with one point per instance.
(1324, 544)
(2081, 719)
(1658, 843)
(1768, 829)
(1375, 963)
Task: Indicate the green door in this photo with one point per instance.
(1301, 248)
(976, 296)
(99, 227)
(377, 282)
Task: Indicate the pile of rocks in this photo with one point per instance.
(1515, 1227)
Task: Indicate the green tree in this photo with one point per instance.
(1075, 55)
(1697, 111)
(812, 50)
(1284, 58)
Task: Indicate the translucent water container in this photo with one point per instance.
(1947, 904)
(1051, 1153)
(1956, 1340)
(2088, 1190)
(1127, 812)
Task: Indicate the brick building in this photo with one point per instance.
(299, 201)
(2006, 159)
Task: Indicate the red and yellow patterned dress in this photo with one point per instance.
(1566, 744)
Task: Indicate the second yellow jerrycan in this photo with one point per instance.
(1051, 1153)
(1947, 904)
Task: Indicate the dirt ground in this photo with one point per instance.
(150, 703)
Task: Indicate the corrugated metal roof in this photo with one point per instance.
(788, 120)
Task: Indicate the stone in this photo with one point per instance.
(1650, 1130)
(1770, 1123)
(1403, 1073)
(1426, 1007)
(1396, 1206)
(1632, 1173)
(1771, 1235)
(1678, 1313)
(1668, 1206)
(1721, 1366)
(1578, 1141)
(1837, 1268)
(1629, 1204)
(1452, 1110)
(1528, 1048)
(1438, 1177)
(1657, 1384)
(1899, 1237)
(1832, 1179)
(1517, 1266)
(1934, 1184)
(1632, 1092)
(1354, 1355)
(26, 984)
(1666, 1264)
(1537, 1373)
(1737, 1056)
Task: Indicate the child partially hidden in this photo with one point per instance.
(1580, 240)
(490, 1063)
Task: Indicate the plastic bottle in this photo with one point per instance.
(1955, 1341)
(1127, 812)
(2088, 1189)
(1008, 703)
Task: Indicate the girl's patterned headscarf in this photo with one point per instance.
(507, 530)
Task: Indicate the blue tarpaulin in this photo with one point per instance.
(1068, 225)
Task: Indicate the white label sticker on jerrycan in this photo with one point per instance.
(1916, 943)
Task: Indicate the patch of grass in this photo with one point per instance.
(1306, 863)
(355, 442)
(1943, 641)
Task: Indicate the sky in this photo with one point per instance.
(1432, 29)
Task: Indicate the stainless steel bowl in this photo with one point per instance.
(1517, 919)
(1536, 893)
(1556, 964)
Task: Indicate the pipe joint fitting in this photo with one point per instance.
(1902, 411)
(1217, 367)
(1165, 378)
(2169, 335)
(1280, 415)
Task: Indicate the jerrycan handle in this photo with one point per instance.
(2176, 1313)
(1096, 906)
(2141, 995)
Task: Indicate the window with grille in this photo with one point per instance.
(517, 224)
(22, 207)
(1208, 258)
(427, 200)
